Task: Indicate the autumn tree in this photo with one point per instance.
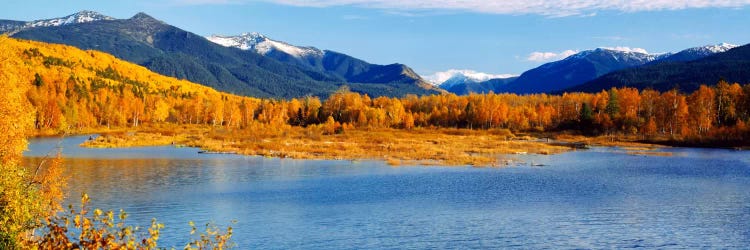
(727, 98)
(586, 113)
(70, 90)
(25, 197)
(329, 127)
(702, 109)
(613, 103)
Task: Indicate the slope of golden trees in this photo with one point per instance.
(26, 195)
(72, 89)
(30, 197)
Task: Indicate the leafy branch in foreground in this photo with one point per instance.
(86, 229)
(212, 238)
(97, 229)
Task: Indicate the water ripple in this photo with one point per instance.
(583, 200)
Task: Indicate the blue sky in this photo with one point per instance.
(497, 37)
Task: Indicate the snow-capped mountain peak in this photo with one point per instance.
(264, 45)
(84, 16)
(698, 52)
(245, 41)
(638, 54)
(625, 49)
(712, 49)
(617, 54)
(454, 76)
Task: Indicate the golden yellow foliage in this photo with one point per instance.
(25, 197)
(435, 146)
(15, 113)
(62, 83)
(74, 90)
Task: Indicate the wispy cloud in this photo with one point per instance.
(354, 17)
(552, 8)
(549, 56)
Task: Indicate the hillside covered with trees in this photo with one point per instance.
(171, 51)
(687, 76)
(72, 90)
(31, 211)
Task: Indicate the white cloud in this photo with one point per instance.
(549, 56)
(354, 17)
(439, 77)
(627, 49)
(553, 8)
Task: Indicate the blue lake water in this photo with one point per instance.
(599, 198)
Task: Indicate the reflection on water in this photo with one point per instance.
(599, 198)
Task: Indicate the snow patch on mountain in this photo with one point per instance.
(80, 17)
(231, 41)
(461, 75)
(621, 54)
(12, 27)
(264, 45)
(711, 49)
(626, 49)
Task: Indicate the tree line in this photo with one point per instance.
(72, 90)
(59, 88)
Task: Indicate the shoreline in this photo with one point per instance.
(419, 146)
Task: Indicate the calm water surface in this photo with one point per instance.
(599, 198)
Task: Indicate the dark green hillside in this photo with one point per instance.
(574, 70)
(732, 66)
(174, 52)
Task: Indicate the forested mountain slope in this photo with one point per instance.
(732, 66)
(341, 66)
(171, 51)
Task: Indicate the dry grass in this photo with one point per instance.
(396, 147)
(628, 144)
(607, 141)
(113, 140)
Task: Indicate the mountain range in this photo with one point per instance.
(253, 64)
(582, 72)
(575, 69)
(342, 66)
(9, 26)
(171, 51)
(463, 82)
(697, 53)
(483, 87)
(686, 75)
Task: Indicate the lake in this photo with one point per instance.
(598, 198)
